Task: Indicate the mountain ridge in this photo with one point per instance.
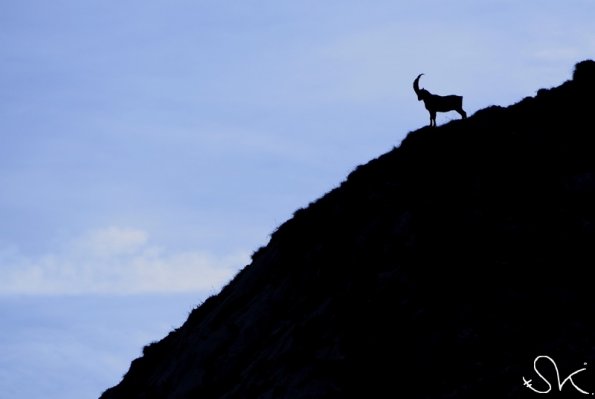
(417, 268)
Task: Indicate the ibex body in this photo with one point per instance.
(435, 103)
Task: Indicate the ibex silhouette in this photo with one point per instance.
(435, 103)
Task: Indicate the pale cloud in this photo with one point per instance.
(112, 241)
(115, 260)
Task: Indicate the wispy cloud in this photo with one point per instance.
(115, 260)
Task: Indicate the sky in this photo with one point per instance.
(148, 148)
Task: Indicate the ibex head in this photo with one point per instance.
(420, 92)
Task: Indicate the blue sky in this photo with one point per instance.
(149, 147)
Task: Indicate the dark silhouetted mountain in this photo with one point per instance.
(441, 269)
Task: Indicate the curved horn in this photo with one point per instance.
(416, 83)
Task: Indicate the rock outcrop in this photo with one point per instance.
(442, 269)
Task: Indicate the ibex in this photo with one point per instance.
(435, 103)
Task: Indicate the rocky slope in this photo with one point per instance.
(439, 270)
